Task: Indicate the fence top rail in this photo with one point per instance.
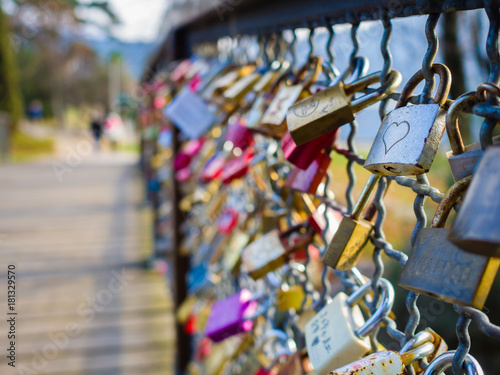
(220, 18)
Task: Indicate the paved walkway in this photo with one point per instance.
(78, 233)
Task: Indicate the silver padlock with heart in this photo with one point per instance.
(409, 137)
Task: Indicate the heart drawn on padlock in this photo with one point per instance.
(397, 134)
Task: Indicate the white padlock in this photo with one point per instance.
(339, 334)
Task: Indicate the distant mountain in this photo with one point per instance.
(135, 55)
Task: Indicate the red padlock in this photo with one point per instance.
(302, 156)
(237, 167)
(307, 181)
(227, 221)
(212, 169)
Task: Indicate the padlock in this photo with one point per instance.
(339, 334)
(224, 80)
(462, 161)
(268, 253)
(439, 365)
(302, 156)
(224, 351)
(256, 360)
(409, 136)
(274, 119)
(190, 114)
(353, 233)
(212, 169)
(236, 167)
(307, 181)
(241, 87)
(386, 362)
(237, 136)
(476, 227)
(187, 152)
(228, 317)
(185, 309)
(325, 218)
(231, 257)
(252, 119)
(439, 269)
(291, 296)
(331, 108)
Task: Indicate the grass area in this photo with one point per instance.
(128, 147)
(26, 148)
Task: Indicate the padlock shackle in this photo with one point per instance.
(282, 77)
(462, 103)
(357, 68)
(419, 339)
(418, 353)
(382, 311)
(445, 360)
(294, 270)
(314, 63)
(382, 93)
(449, 200)
(443, 89)
(365, 195)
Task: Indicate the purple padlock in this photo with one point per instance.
(229, 316)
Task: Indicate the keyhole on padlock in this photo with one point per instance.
(391, 169)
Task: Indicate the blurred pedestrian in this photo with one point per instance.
(96, 129)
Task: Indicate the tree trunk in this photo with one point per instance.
(10, 94)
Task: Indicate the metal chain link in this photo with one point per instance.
(430, 55)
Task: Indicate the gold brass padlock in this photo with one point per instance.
(331, 108)
(353, 233)
(275, 115)
(292, 296)
(439, 269)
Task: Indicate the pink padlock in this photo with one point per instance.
(229, 316)
(188, 150)
(302, 156)
(183, 175)
(239, 135)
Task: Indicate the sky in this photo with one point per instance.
(141, 20)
